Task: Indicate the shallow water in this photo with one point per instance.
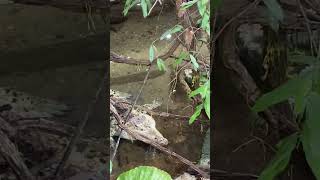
(133, 39)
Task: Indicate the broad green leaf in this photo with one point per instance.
(194, 62)
(201, 90)
(145, 173)
(186, 5)
(274, 8)
(311, 133)
(207, 104)
(281, 159)
(296, 88)
(161, 65)
(129, 4)
(205, 23)
(144, 8)
(202, 6)
(196, 113)
(173, 30)
(110, 166)
(151, 52)
(183, 55)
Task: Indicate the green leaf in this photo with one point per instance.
(281, 159)
(110, 166)
(194, 62)
(176, 28)
(188, 4)
(151, 52)
(207, 104)
(296, 88)
(196, 113)
(144, 8)
(145, 173)
(275, 9)
(183, 55)
(161, 65)
(202, 6)
(310, 133)
(129, 4)
(202, 90)
(205, 22)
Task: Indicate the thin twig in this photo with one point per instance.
(127, 116)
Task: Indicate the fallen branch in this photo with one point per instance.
(45, 125)
(11, 154)
(126, 60)
(145, 139)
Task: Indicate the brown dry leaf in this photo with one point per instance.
(180, 11)
(188, 37)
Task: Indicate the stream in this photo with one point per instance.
(133, 39)
(50, 53)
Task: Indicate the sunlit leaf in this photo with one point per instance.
(161, 65)
(129, 4)
(281, 159)
(151, 52)
(202, 90)
(207, 104)
(110, 166)
(196, 113)
(188, 4)
(202, 6)
(173, 30)
(311, 133)
(205, 23)
(144, 8)
(145, 173)
(194, 62)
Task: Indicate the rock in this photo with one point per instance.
(186, 176)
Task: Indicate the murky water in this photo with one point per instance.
(134, 39)
(49, 53)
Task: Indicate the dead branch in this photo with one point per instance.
(7, 128)
(47, 126)
(12, 155)
(121, 59)
(145, 139)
